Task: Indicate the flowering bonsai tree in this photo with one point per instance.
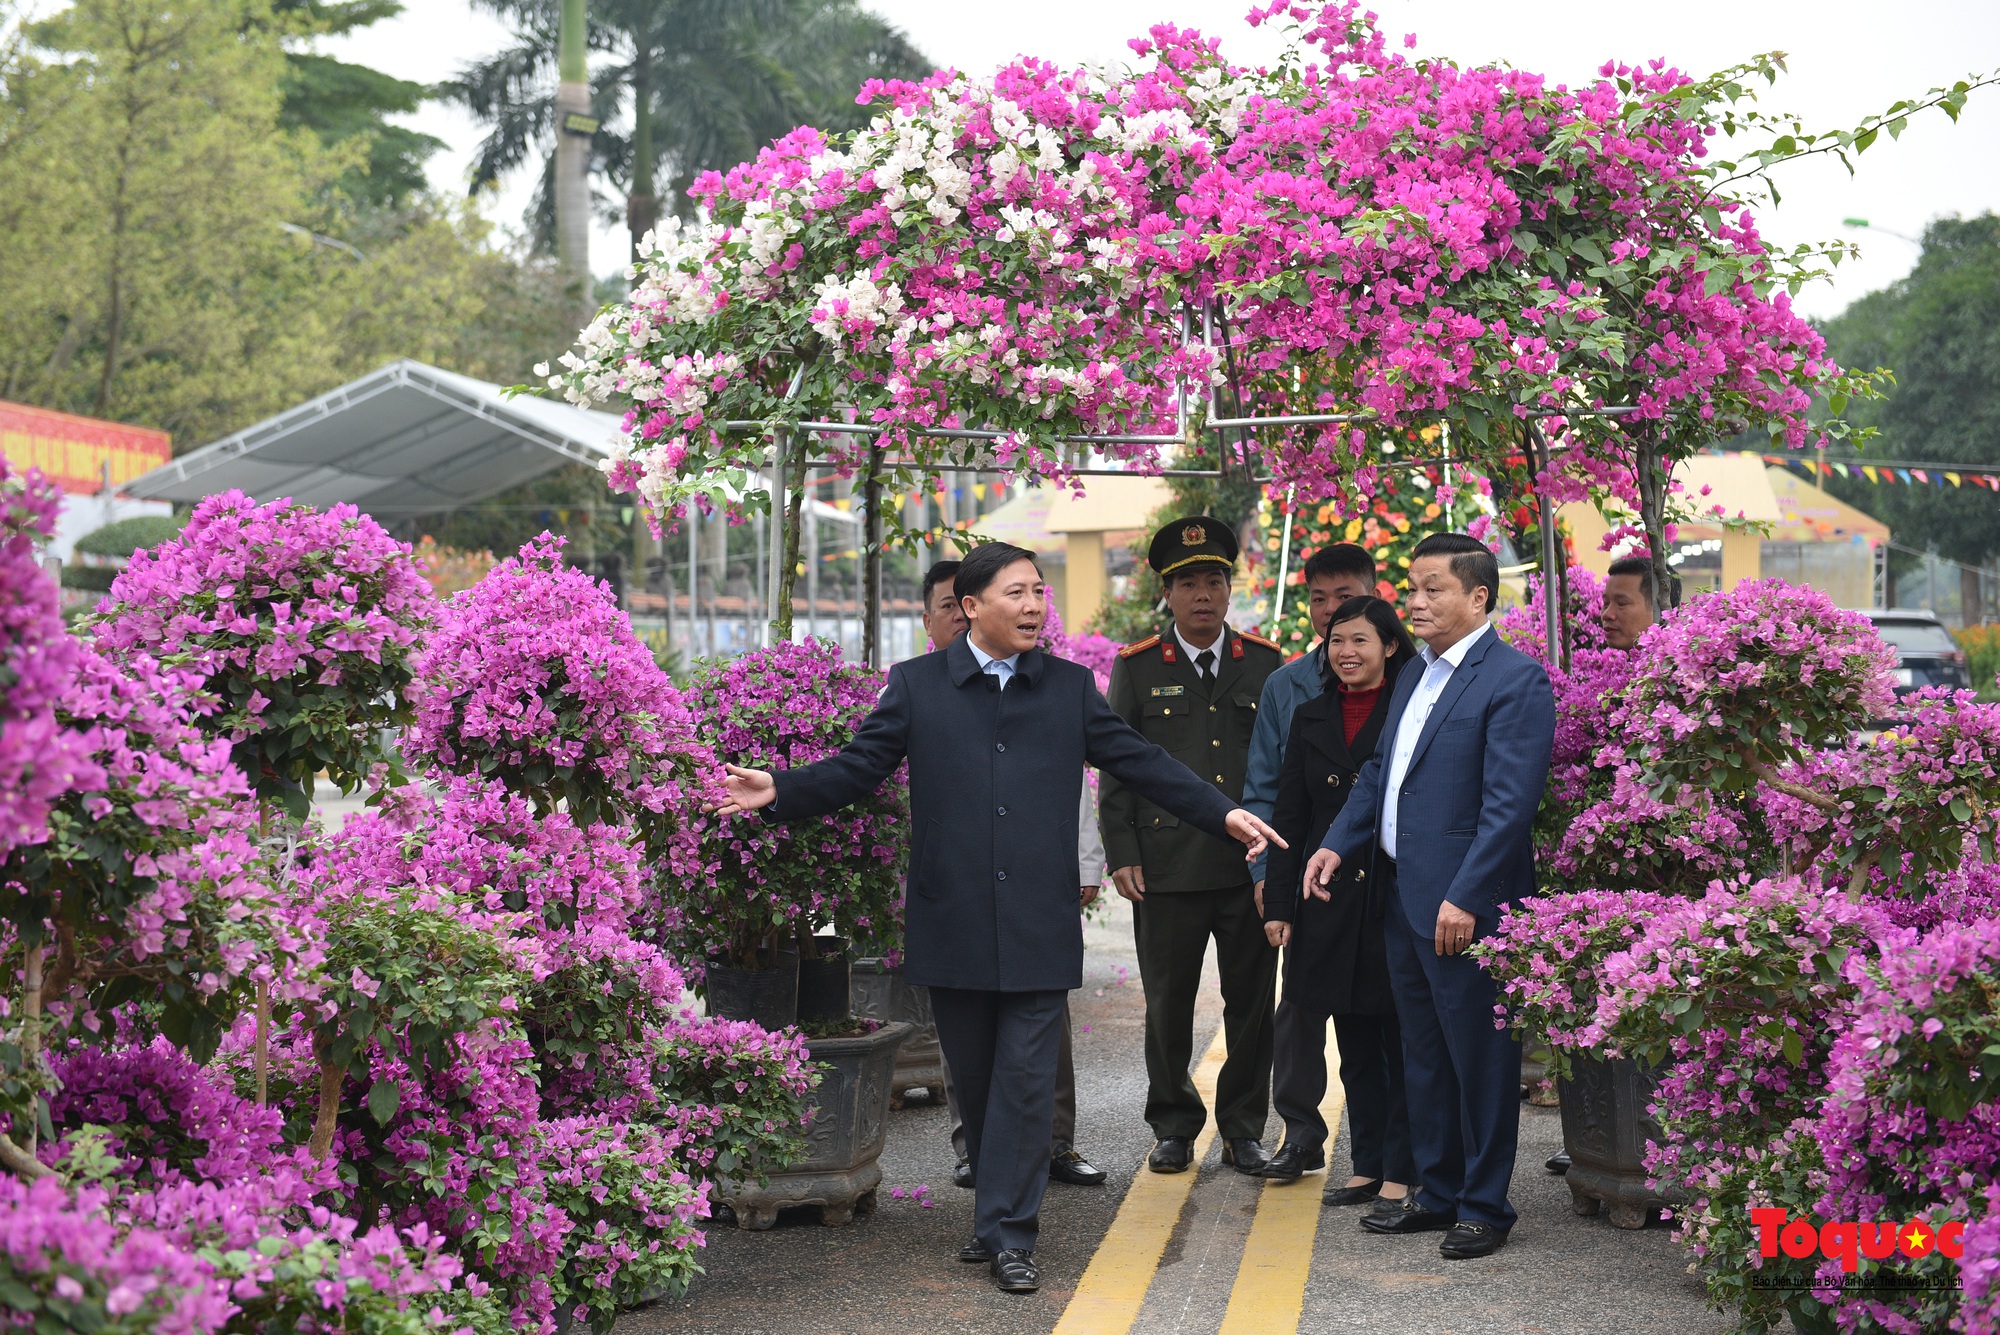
(300, 623)
(535, 680)
(38, 759)
(782, 707)
(1775, 831)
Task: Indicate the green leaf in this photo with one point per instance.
(384, 1097)
(1795, 1049)
(1960, 810)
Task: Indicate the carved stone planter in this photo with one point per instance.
(879, 993)
(1605, 1130)
(850, 1121)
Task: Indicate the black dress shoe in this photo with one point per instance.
(1356, 1195)
(1066, 1165)
(1469, 1239)
(961, 1176)
(1013, 1271)
(1170, 1155)
(1393, 1205)
(1557, 1163)
(975, 1252)
(1416, 1219)
(1293, 1162)
(1245, 1155)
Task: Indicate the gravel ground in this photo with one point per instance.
(894, 1271)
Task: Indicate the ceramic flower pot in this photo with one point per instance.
(769, 996)
(879, 992)
(1606, 1129)
(824, 983)
(844, 1136)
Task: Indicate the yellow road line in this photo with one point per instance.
(1270, 1289)
(1113, 1287)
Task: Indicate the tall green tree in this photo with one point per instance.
(342, 102)
(680, 86)
(1938, 329)
(174, 255)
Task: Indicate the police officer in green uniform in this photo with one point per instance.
(1193, 689)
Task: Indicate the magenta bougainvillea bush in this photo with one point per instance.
(426, 1072)
(534, 679)
(781, 707)
(300, 623)
(1779, 891)
(39, 760)
(1039, 252)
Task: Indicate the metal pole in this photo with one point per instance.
(763, 590)
(1551, 588)
(811, 521)
(1284, 566)
(694, 579)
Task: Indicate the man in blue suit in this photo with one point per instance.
(1445, 807)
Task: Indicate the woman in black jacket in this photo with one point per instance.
(1335, 961)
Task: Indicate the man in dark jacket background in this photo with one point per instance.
(997, 735)
(1445, 809)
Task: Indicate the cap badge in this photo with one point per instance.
(1194, 535)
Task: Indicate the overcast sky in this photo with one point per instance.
(1847, 59)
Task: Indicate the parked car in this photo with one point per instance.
(1926, 653)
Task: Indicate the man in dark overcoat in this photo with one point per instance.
(1445, 811)
(997, 735)
(1193, 689)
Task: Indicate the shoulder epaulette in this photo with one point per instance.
(1259, 639)
(1139, 648)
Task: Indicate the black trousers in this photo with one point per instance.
(1172, 932)
(1462, 1077)
(1371, 1071)
(1063, 1135)
(1001, 1048)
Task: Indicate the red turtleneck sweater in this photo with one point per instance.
(1355, 707)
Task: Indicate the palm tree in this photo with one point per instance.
(679, 87)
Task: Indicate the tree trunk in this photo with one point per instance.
(331, 1078)
(31, 1030)
(1651, 470)
(572, 183)
(642, 206)
(871, 555)
(788, 575)
(262, 1057)
(1970, 605)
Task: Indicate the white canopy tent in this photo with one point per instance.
(408, 439)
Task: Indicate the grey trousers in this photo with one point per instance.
(1064, 1135)
(1002, 1047)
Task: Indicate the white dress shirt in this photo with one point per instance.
(1003, 668)
(1215, 662)
(1437, 675)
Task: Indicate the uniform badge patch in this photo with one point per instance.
(1169, 690)
(1194, 535)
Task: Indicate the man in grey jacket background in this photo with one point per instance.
(944, 621)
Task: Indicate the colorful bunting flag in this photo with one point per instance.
(1918, 474)
(1904, 474)
(1868, 470)
(1954, 479)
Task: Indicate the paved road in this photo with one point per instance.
(1226, 1259)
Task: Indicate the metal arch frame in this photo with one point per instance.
(1540, 450)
